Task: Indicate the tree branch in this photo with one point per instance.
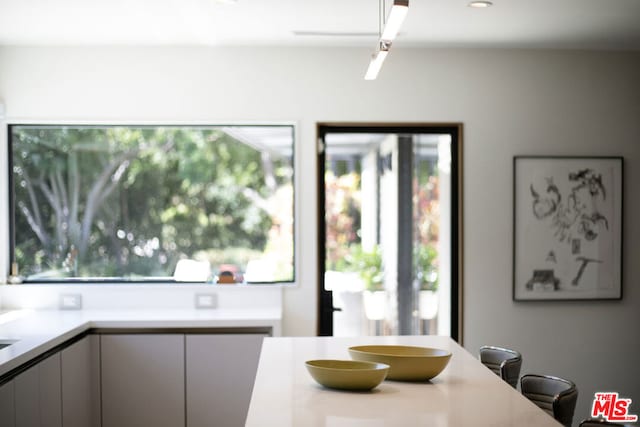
(35, 206)
(74, 184)
(40, 233)
(62, 190)
(74, 190)
(106, 182)
(95, 195)
(48, 194)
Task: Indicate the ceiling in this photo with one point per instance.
(563, 24)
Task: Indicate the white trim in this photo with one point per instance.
(4, 196)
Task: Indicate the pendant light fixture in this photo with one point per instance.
(388, 29)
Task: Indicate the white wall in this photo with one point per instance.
(511, 103)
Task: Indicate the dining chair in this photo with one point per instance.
(554, 395)
(598, 422)
(504, 362)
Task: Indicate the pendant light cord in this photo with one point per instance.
(381, 18)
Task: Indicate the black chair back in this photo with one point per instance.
(554, 395)
(504, 362)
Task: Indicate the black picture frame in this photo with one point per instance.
(567, 228)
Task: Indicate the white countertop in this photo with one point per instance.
(39, 331)
(465, 394)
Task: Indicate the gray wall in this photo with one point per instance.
(512, 102)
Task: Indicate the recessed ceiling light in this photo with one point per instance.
(480, 4)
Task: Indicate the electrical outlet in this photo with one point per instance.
(206, 301)
(70, 301)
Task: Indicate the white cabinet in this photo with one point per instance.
(54, 392)
(220, 371)
(38, 396)
(60, 390)
(137, 379)
(80, 364)
(50, 392)
(27, 398)
(7, 410)
(142, 380)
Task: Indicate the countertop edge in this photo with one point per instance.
(37, 332)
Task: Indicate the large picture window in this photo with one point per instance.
(152, 203)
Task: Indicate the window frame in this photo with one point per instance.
(9, 225)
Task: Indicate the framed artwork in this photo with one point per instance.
(567, 228)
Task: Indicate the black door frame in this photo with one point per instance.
(325, 298)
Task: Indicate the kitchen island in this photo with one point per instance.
(466, 393)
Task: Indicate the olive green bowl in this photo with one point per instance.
(347, 374)
(406, 363)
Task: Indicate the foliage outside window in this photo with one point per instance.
(368, 264)
(342, 218)
(129, 202)
(427, 219)
(344, 251)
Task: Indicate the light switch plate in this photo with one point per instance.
(207, 301)
(70, 301)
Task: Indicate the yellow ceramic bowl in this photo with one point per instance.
(347, 374)
(406, 363)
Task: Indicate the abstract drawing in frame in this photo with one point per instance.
(567, 228)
